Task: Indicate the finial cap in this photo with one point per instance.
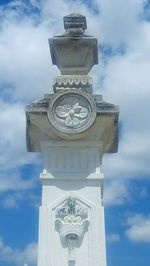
(75, 21)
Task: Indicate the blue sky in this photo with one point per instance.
(122, 76)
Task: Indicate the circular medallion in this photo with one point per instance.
(71, 112)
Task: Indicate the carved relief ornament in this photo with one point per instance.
(72, 222)
(71, 112)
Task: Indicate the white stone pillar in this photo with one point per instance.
(73, 128)
(71, 170)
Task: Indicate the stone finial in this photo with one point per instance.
(74, 52)
(75, 21)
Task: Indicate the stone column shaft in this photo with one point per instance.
(71, 169)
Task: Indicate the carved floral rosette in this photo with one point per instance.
(73, 115)
(71, 112)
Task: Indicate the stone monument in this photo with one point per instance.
(73, 128)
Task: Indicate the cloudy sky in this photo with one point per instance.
(122, 76)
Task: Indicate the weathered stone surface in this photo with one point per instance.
(80, 82)
(71, 112)
(73, 52)
(76, 21)
(75, 55)
(73, 129)
(104, 129)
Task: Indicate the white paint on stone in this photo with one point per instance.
(63, 178)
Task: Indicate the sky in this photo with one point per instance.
(122, 77)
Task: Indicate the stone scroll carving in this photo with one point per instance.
(72, 223)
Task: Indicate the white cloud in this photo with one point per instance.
(139, 228)
(127, 84)
(16, 256)
(119, 20)
(121, 192)
(143, 193)
(14, 183)
(115, 193)
(13, 151)
(112, 238)
(25, 59)
(11, 201)
(17, 195)
(132, 159)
